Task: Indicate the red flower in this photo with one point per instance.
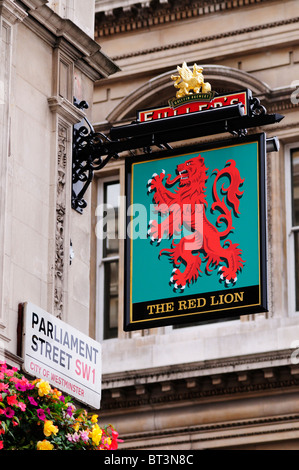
(12, 400)
(115, 440)
(1, 445)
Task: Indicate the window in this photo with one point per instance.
(108, 257)
(295, 219)
(292, 205)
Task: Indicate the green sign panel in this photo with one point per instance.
(196, 234)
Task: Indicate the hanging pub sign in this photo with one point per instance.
(193, 103)
(60, 354)
(196, 238)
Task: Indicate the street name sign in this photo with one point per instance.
(62, 355)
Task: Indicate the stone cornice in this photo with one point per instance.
(208, 379)
(65, 109)
(208, 434)
(166, 373)
(58, 31)
(122, 17)
(213, 37)
(11, 11)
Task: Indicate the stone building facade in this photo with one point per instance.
(223, 385)
(48, 55)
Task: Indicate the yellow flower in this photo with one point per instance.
(107, 441)
(56, 393)
(49, 428)
(94, 418)
(96, 434)
(44, 388)
(44, 445)
(76, 426)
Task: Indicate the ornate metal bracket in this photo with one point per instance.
(93, 150)
(89, 147)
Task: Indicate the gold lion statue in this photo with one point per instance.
(189, 82)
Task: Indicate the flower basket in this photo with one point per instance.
(34, 416)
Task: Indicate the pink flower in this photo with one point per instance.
(32, 401)
(84, 436)
(73, 437)
(9, 372)
(9, 412)
(14, 379)
(22, 406)
(20, 387)
(3, 387)
(21, 384)
(26, 383)
(41, 414)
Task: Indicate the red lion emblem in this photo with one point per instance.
(185, 207)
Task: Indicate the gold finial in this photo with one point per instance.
(188, 82)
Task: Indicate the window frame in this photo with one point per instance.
(101, 262)
(290, 230)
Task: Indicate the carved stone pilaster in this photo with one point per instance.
(59, 275)
(66, 115)
(60, 222)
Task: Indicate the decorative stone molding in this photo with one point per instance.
(205, 39)
(231, 376)
(63, 121)
(218, 435)
(65, 109)
(11, 12)
(122, 16)
(53, 29)
(34, 4)
(60, 256)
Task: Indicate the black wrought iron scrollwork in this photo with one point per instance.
(256, 108)
(93, 150)
(90, 154)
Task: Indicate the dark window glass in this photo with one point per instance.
(110, 259)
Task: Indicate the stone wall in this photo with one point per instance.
(48, 58)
